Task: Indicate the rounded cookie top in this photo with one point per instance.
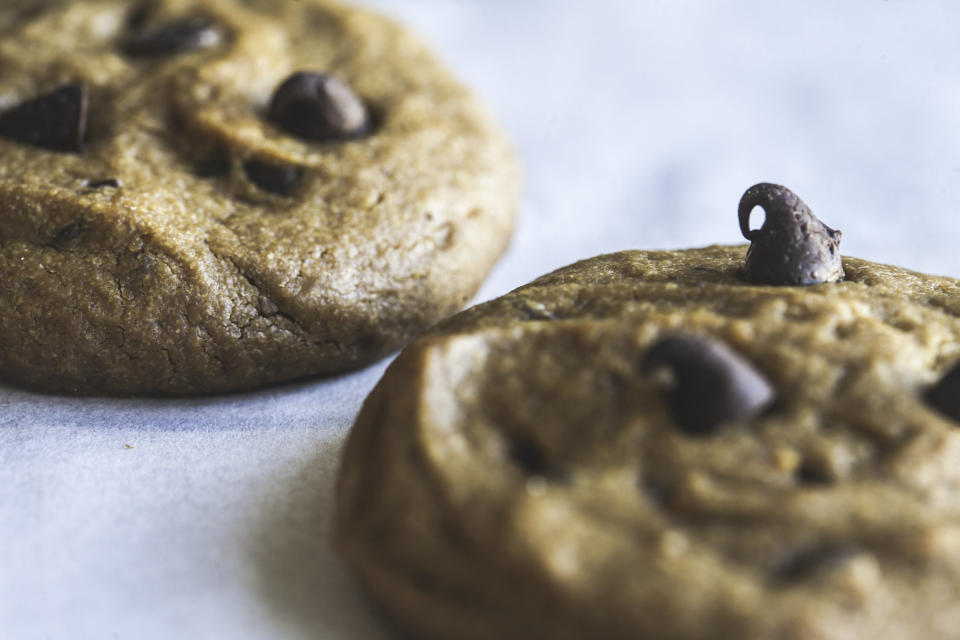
(522, 471)
(170, 224)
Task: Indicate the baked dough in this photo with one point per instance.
(183, 242)
(515, 474)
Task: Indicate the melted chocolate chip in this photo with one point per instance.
(814, 473)
(792, 247)
(281, 179)
(56, 120)
(809, 563)
(710, 383)
(70, 232)
(104, 183)
(945, 395)
(528, 456)
(172, 37)
(315, 106)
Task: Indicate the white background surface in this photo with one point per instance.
(640, 124)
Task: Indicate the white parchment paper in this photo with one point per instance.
(640, 124)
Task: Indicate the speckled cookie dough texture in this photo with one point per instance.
(515, 475)
(189, 244)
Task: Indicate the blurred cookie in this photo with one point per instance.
(650, 445)
(207, 195)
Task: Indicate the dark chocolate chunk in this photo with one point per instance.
(172, 37)
(709, 383)
(528, 456)
(70, 232)
(813, 472)
(56, 120)
(945, 395)
(104, 183)
(281, 179)
(315, 106)
(792, 247)
(814, 561)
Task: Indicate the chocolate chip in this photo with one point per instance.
(281, 179)
(817, 560)
(528, 456)
(814, 473)
(710, 383)
(172, 37)
(792, 247)
(945, 395)
(315, 106)
(56, 120)
(104, 183)
(70, 232)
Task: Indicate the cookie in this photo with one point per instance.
(652, 444)
(207, 195)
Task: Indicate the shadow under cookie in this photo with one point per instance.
(298, 576)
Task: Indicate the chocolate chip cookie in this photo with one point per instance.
(206, 195)
(706, 443)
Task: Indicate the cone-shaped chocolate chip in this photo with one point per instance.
(172, 37)
(792, 247)
(315, 106)
(55, 120)
(945, 395)
(710, 384)
(281, 179)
